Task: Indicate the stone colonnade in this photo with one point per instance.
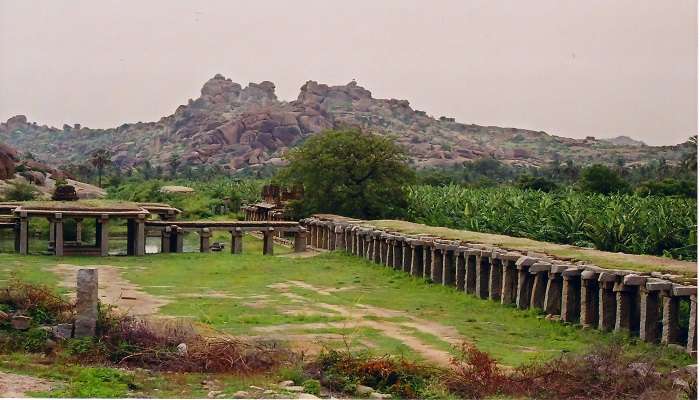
(260, 213)
(642, 305)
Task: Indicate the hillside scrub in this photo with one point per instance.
(633, 224)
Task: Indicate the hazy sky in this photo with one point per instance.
(569, 67)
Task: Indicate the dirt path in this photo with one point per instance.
(114, 289)
(391, 323)
(13, 385)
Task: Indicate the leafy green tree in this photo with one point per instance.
(351, 173)
(601, 179)
(540, 183)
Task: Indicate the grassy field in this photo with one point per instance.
(331, 299)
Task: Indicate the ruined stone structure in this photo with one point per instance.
(274, 204)
(639, 304)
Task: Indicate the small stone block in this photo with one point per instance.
(634, 280)
(658, 285)
(606, 277)
(679, 290)
(540, 267)
(588, 275)
(525, 261)
(572, 272)
(558, 268)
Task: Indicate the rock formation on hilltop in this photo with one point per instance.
(236, 127)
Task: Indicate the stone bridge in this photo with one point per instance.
(609, 300)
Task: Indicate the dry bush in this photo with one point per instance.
(606, 373)
(38, 301)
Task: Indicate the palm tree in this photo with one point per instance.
(100, 159)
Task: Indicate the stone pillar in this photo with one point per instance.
(416, 257)
(379, 248)
(78, 230)
(692, 345)
(552, 296)
(165, 240)
(436, 266)
(539, 271)
(268, 242)
(607, 302)
(523, 264)
(470, 257)
(313, 235)
(52, 232)
(406, 253)
(58, 224)
(495, 277)
(627, 315)
(237, 241)
(670, 332)
(448, 265)
(102, 224)
(650, 303)
(483, 265)
(24, 233)
(339, 242)
(571, 294)
(398, 253)
(179, 239)
(140, 249)
(509, 278)
(427, 259)
(300, 240)
(86, 302)
(386, 250)
(461, 268)
(589, 299)
(204, 236)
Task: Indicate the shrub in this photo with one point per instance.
(20, 191)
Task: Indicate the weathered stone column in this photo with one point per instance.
(103, 234)
(650, 302)
(483, 266)
(589, 298)
(78, 229)
(447, 263)
(416, 246)
(313, 238)
(553, 295)
(179, 235)
(379, 247)
(471, 257)
(496, 276)
(397, 262)
(461, 268)
(300, 240)
(140, 248)
(52, 232)
(571, 294)
(58, 224)
(692, 345)
(509, 278)
(368, 247)
(385, 249)
(406, 254)
(427, 258)
(436, 265)
(540, 278)
(339, 242)
(236, 241)
(525, 281)
(204, 236)
(165, 240)
(24, 233)
(627, 313)
(268, 242)
(670, 332)
(607, 302)
(86, 302)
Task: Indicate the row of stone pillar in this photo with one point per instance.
(256, 213)
(172, 240)
(609, 300)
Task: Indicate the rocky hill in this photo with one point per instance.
(236, 127)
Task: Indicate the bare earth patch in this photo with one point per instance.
(360, 316)
(114, 289)
(13, 385)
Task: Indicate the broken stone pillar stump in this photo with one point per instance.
(495, 277)
(300, 240)
(553, 294)
(483, 266)
(204, 236)
(86, 302)
(237, 241)
(539, 271)
(59, 242)
(571, 294)
(589, 298)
